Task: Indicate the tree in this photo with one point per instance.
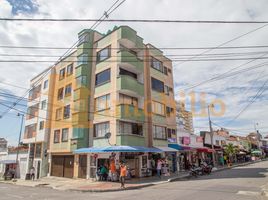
(230, 150)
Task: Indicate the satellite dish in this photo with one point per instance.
(107, 135)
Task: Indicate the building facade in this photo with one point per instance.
(111, 84)
(184, 118)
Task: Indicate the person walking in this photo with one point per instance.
(123, 174)
(159, 168)
(113, 171)
(32, 173)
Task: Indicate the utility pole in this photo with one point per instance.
(211, 135)
(17, 155)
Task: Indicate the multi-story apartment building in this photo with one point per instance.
(184, 118)
(38, 121)
(111, 83)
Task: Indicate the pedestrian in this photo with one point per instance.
(32, 173)
(113, 170)
(159, 168)
(123, 174)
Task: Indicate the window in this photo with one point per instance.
(38, 150)
(101, 129)
(41, 125)
(60, 94)
(171, 132)
(128, 100)
(56, 136)
(58, 113)
(66, 112)
(157, 85)
(127, 73)
(126, 128)
(165, 71)
(70, 69)
(158, 108)
(62, 74)
(169, 71)
(159, 132)
(81, 81)
(166, 90)
(45, 84)
(64, 134)
(169, 111)
(68, 90)
(43, 105)
(104, 54)
(156, 64)
(103, 77)
(102, 103)
(82, 59)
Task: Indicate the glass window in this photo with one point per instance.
(126, 128)
(128, 100)
(38, 150)
(41, 125)
(102, 103)
(157, 85)
(159, 132)
(60, 94)
(58, 113)
(68, 90)
(43, 105)
(158, 108)
(64, 134)
(101, 129)
(127, 73)
(56, 136)
(82, 59)
(62, 74)
(156, 64)
(166, 90)
(104, 54)
(70, 69)
(45, 84)
(165, 70)
(169, 110)
(81, 81)
(66, 112)
(103, 77)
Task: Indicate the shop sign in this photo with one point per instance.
(186, 140)
(172, 140)
(199, 139)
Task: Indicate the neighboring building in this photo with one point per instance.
(38, 121)
(184, 118)
(219, 140)
(112, 83)
(3, 145)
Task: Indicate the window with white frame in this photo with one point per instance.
(158, 108)
(101, 129)
(104, 54)
(66, 111)
(68, 89)
(126, 128)
(64, 135)
(70, 69)
(102, 102)
(159, 132)
(43, 105)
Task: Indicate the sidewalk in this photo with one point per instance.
(84, 185)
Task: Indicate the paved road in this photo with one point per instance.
(235, 184)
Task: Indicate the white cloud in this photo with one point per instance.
(161, 35)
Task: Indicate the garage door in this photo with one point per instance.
(62, 166)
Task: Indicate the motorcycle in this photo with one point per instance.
(196, 171)
(206, 169)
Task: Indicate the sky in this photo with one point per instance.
(230, 94)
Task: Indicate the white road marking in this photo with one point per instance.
(15, 196)
(248, 193)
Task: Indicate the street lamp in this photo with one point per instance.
(211, 133)
(17, 155)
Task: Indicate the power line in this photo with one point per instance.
(133, 20)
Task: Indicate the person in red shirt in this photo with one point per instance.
(113, 170)
(123, 174)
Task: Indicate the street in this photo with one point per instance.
(239, 183)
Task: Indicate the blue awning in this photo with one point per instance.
(176, 146)
(117, 149)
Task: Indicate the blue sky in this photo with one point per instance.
(235, 92)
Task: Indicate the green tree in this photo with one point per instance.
(230, 150)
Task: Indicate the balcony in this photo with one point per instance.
(130, 60)
(128, 83)
(128, 37)
(130, 140)
(130, 112)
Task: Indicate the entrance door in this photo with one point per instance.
(68, 171)
(57, 166)
(82, 171)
